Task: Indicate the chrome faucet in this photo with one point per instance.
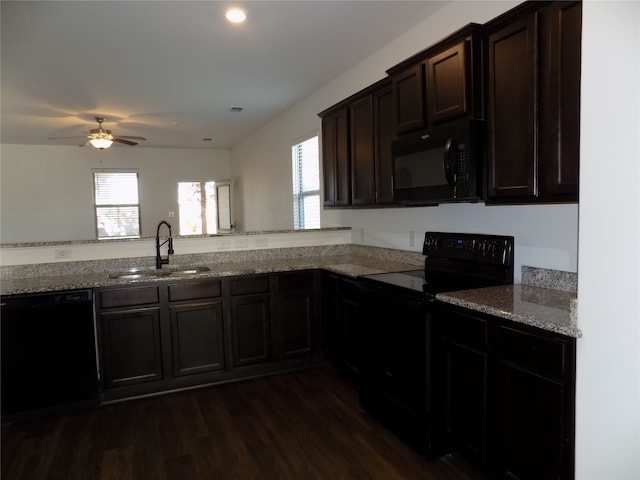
(159, 260)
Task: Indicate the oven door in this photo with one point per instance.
(395, 364)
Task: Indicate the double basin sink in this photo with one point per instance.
(135, 274)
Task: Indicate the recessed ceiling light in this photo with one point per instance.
(235, 15)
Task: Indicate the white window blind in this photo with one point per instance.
(116, 204)
(306, 184)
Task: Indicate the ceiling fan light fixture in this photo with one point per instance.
(235, 15)
(101, 143)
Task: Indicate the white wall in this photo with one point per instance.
(46, 192)
(608, 385)
(545, 236)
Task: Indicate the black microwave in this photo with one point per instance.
(441, 166)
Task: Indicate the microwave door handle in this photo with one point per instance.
(449, 161)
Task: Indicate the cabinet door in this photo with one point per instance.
(335, 159)
(447, 84)
(466, 373)
(197, 338)
(362, 148)
(465, 367)
(559, 141)
(295, 322)
(351, 326)
(530, 417)
(534, 404)
(382, 113)
(296, 314)
(408, 100)
(131, 346)
(331, 338)
(250, 329)
(511, 127)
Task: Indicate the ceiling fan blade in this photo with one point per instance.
(126, 142)
(59, 138)
(86, 142)
(130, 138)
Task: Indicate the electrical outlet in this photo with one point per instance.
(62, 253)
(261, 242)
(412, 238)
(241, 243)
(172, 214)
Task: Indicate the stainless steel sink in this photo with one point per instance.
(135, 274)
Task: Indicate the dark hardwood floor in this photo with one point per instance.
(303, 425)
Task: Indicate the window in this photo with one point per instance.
(204, 207)
(306, 184)
(116, 204)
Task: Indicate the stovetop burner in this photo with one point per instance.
(455, 261)
(411, 280)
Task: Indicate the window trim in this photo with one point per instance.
(95, 171)
(299, 198)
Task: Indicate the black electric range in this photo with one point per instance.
(454, 261)
(399, 323)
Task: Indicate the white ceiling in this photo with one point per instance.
(170, 70)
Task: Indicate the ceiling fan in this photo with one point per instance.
(101, 138)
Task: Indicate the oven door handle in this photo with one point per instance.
(449, 161)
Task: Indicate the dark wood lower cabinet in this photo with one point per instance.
(298, 332)
(131, 347)
(463, 396)
(507, 395)
(167, 336)
(342, 325)
(534, 404)
(197, 337)
(250, 329)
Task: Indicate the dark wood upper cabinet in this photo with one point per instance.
(356, 149)
(560, 93)
(408, 100)
(382, 113)
(362, 147)
(447, 84)
(440, 83)
(533, 103)
(335, 158)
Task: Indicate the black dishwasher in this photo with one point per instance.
(48, 353)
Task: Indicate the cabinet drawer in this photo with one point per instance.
(295, 281)
(248, 285)
(533, 351)
(463, 329)
(349, 289)
(124, 297)
(195, 290)
(329, 283)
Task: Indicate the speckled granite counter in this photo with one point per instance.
(350, 265)
(540, 307)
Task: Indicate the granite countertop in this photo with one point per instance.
(350, 265)
(529, 303)
(545, 308)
